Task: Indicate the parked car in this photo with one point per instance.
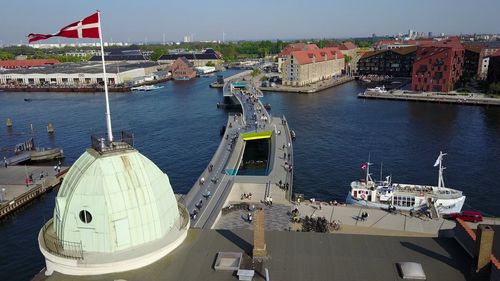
(471, 216)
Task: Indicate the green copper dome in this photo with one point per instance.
(114, 201)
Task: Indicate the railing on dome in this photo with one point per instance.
(123, 141)
(58, 247)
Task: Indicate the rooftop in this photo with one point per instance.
(317, 55)
(208, 54)
(26, 63)
(302, 256)
(402, 51)
(121, 55)
(89, 67)
(297, 47)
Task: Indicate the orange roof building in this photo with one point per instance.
(12, 64)
(304, 67)
(292, 48)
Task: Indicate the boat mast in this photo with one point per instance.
(368, 170)
(441, 168)
(381, 167)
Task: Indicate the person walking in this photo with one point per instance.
(5, 161)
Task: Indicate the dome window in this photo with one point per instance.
(85, 216)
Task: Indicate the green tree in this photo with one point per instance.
(494, 89)
(347, 59)
(157, 53)
(6, 55)
(255, 72)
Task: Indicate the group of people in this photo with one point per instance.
(268, 201)
(246, 196)
(284, 186)
(57, 167)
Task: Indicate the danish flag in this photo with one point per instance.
(363, 167)
(85, 28)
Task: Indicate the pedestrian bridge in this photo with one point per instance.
(219, 184)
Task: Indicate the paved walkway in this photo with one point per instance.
(13, 179)
(379, 219)
(276, 218)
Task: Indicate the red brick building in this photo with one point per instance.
(494, 68)
(12, 64)
(183, 69)
(438, 68)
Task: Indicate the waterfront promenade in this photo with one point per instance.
(220, 185)
(379, 222)
(16, 192)
(312, 88)
(465, 99)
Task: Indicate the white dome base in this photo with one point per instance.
(98, 263)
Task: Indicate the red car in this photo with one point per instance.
(471, 216)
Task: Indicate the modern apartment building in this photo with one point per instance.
(438, 68)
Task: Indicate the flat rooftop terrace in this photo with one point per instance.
(301, 256)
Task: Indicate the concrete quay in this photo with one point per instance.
(14, 192)
(219, 185)
(469, 99)
(310, 89)
(379, 222)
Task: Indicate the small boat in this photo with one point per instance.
(292, 134)
(28, 100)
(267, 106)
(182, 78)
(146, 88)
(406, 197)
(377, 90)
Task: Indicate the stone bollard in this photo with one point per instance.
(9, 122)
(50, 128)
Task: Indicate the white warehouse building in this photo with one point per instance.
(79, 74)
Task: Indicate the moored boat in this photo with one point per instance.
(406, 197)
(146, 88)
(377, 90)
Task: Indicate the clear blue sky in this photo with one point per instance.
(258, 19)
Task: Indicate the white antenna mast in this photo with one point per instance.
(108, 113)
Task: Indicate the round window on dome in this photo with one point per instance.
(85, 216)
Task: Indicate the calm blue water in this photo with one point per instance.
(178, 128)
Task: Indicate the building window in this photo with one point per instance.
(85, 216)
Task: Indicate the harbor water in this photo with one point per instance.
(178, 128)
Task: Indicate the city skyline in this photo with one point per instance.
(156, 21)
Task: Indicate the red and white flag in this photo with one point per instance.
(363, 167)
(85, 28)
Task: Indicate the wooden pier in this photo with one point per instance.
(15, 192)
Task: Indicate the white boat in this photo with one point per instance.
(377, 90)
(146, 88)
(406, 197)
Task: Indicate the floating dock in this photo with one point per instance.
(467, 99)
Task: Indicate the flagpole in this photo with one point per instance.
(108, 114)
